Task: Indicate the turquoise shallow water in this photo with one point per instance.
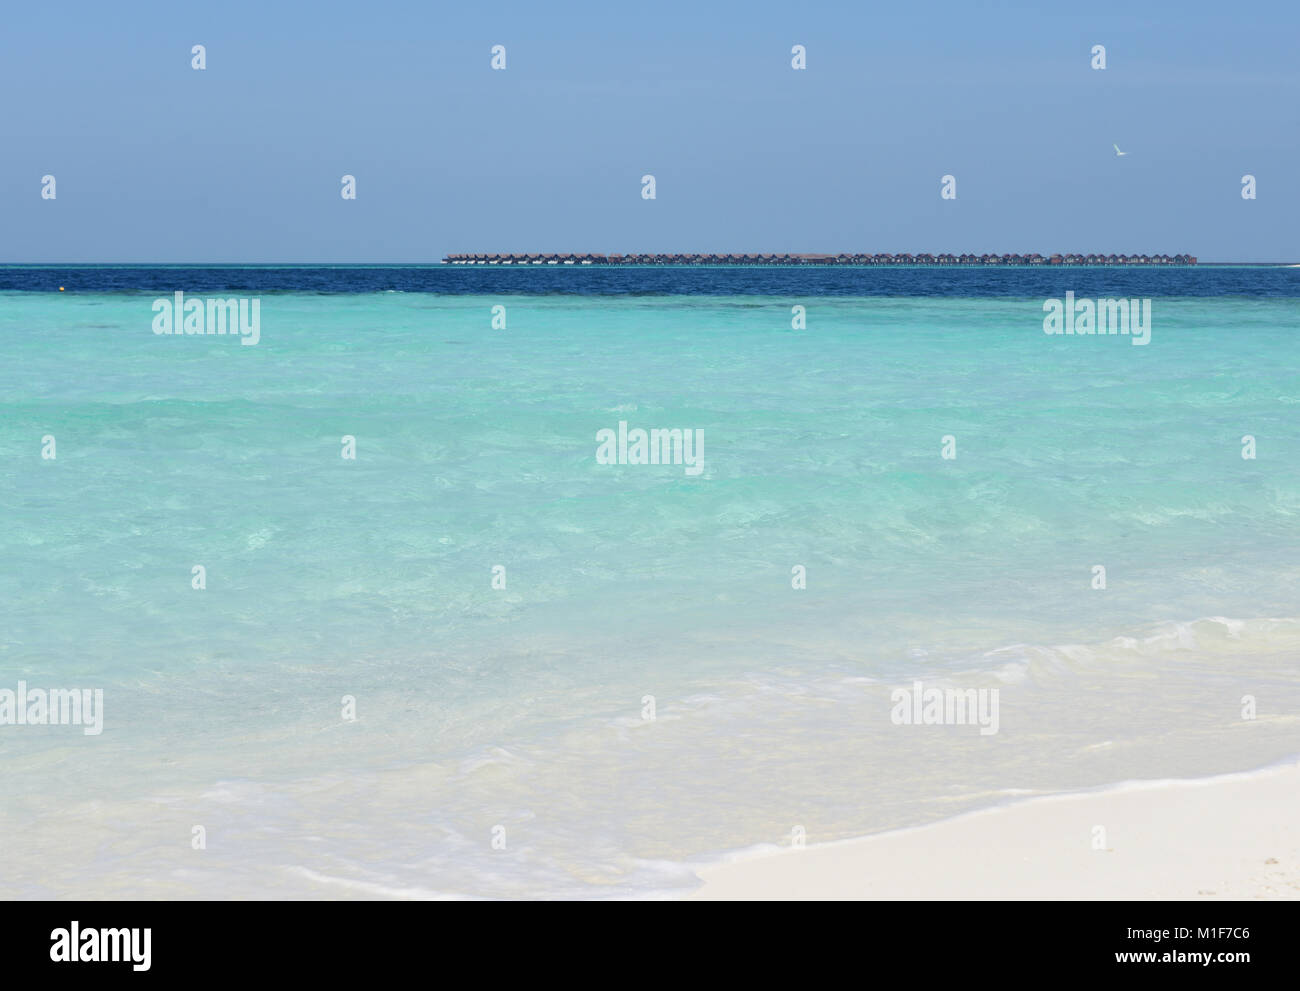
(522, 707)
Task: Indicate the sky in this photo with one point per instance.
(242, 161)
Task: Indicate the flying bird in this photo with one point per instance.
(1118, 153)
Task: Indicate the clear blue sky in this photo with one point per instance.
(241, 162)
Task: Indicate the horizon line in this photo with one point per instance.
(440, 264)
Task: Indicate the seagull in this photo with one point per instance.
(1118, 153)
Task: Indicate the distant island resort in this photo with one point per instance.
(807, 259)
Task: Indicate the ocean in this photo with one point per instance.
(475, 661)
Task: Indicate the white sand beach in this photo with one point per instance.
(1233, 837)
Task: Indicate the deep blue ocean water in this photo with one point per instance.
(650, 280)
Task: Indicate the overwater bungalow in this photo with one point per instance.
(808, 258)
